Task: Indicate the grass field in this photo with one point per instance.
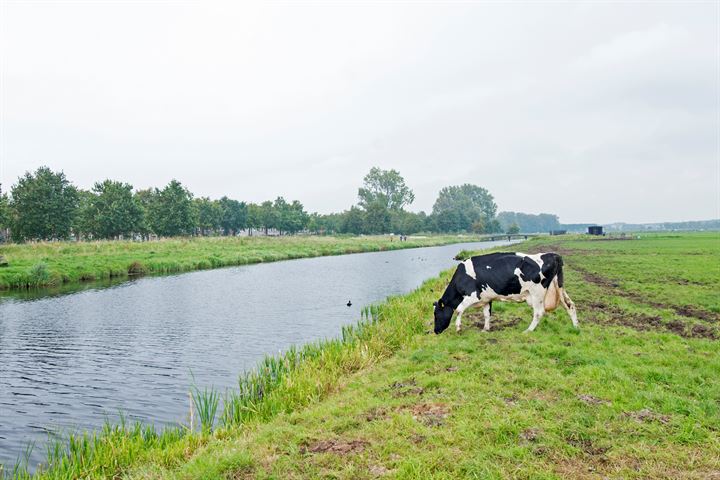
(635, 393)
(54, 264)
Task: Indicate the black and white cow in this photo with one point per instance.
(535, 279)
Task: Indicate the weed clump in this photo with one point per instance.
(39, 275)
(206, 404)
(136, 268)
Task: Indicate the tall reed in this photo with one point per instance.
(206, 405)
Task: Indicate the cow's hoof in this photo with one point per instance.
(485, 330)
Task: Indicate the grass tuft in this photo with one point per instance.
(206, 403)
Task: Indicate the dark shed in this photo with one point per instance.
(595, 230)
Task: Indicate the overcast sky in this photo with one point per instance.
(597, 112)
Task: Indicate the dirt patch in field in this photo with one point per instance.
(379, 470)
(587, 446)
(377, 413)
(338, 447)
(582, 468)
(430, 414)
(418, 439)
(601, 467)
(677, 327)
(703, 331)
(601, 281)
(647, 416)
(694, 312)
(591, 400)
(245, 473)
(405, 388)
(687, 311)
(530, 434)
(475, 319)
(644, 322)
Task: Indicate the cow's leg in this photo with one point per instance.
(569, 306)
(467, 302)
(486, 313)
(538, 311)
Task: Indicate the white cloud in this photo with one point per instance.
(632, 46)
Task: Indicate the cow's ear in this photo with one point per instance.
(434, 304)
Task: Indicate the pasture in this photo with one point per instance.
(635, 393)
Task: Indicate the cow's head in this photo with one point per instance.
(443, 314)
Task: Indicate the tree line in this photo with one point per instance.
(513, 222)
(45, 205)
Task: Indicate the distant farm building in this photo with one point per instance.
(595, 230)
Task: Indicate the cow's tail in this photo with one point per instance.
(554, 291)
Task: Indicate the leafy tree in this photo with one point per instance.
(254, 217)
(407, 223)
(234, 216)
(208, 214)
(145, 199)
(332, 222)
(171, 211)
(353, 221)
(478, 226)
(316, 223)
(323, 224)
(281, 214)
(289, 217)
(113, 210)
(294, 218)
(268, 216)
(493, 226)
(45, 204)
(85, 222)
(377, 218)
(513, 229)
(459, 208)
(385, 187)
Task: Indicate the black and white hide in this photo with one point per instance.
(519, 277)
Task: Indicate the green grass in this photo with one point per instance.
(629, 395)
(58, 264)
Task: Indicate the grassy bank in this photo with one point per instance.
(55, 264)
(633, 394)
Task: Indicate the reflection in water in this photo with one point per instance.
(70, 361)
